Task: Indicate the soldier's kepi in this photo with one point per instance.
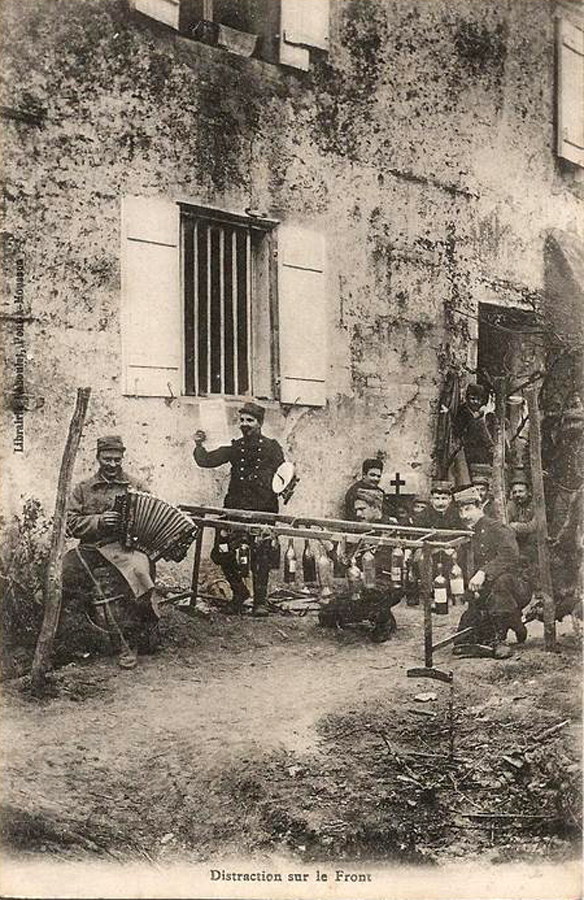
(495, 592)
(100, 568)
(254, 460)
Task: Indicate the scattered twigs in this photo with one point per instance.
(543, 735)
(492, 815)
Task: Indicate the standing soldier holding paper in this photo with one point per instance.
(254, 461)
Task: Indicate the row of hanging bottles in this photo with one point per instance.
(320, 569)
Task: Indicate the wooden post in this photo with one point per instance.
(427, 589)
(52, 585)
(197, 563)
(543, 558)
(499, 450)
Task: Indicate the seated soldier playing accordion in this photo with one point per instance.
(115, 585)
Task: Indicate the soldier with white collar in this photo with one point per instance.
(254, 459)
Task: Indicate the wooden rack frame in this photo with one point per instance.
(375, 534)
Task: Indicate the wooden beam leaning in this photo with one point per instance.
(543, 556)
(53, 584)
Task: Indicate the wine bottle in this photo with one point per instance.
(456, 583)
(223, 543)
(242, 557)
(325, 573)
(440, 593)
(411, 578)
(368, 564)
(354, 579)
(308, 564)
(397, 567)
(290, 563)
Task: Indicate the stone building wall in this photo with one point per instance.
(422, 145)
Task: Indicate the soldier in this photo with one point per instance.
(495, 593)
(521, 517)
(481, 476)
(366, 488)
(440, 513)
(474, 426)
(373, 602)
(254, 460)
(117, 583)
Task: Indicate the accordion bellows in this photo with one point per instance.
(154, 527)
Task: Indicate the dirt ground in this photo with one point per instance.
(247, 737)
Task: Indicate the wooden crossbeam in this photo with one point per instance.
(288, 530)
(338, 526)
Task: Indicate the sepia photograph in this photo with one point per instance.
(292, 521)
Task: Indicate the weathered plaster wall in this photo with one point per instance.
(422, 145)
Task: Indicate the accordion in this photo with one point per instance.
(154, 527)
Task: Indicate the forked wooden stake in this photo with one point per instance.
(53, 581)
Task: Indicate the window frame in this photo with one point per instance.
(264, 357)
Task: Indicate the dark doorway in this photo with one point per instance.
(510, 344)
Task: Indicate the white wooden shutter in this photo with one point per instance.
(166, 11)
(303, 24)
(302, 316)
(151, 307)
(570, 91)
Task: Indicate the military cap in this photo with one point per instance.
(476, 390)
(441, 487)
(466, 494)
(253, 409)
(481, 473)
(110, 442)
(519, 477)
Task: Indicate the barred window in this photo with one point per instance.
(223, 298)
(219, 304)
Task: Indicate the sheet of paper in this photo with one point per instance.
(215, 422)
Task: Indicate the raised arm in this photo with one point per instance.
(210, 459)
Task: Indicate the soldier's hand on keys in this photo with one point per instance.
(477, 580)
(111, 518)
(199, 436)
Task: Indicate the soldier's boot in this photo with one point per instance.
(520, 632)
(382, 631)
(501, 650)
(260, 610)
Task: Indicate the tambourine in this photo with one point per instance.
(284, 481)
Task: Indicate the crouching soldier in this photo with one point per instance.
(495, 592)
(369, 595)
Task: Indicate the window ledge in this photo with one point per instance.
(191, 53)
(241, 43)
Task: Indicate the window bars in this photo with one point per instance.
(217, 258)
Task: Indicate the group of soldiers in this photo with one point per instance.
(100, 568)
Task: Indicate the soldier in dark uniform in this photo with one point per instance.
(474, 426)
(441, 512)
(369, 603)
(521, 517)
(367, 486)
(495, 592)
(254, 460)
(481, 475)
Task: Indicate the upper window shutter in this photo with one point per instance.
(570, 91)
(166, 11)
(151, 308)
(303, 24)
(302, 316)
